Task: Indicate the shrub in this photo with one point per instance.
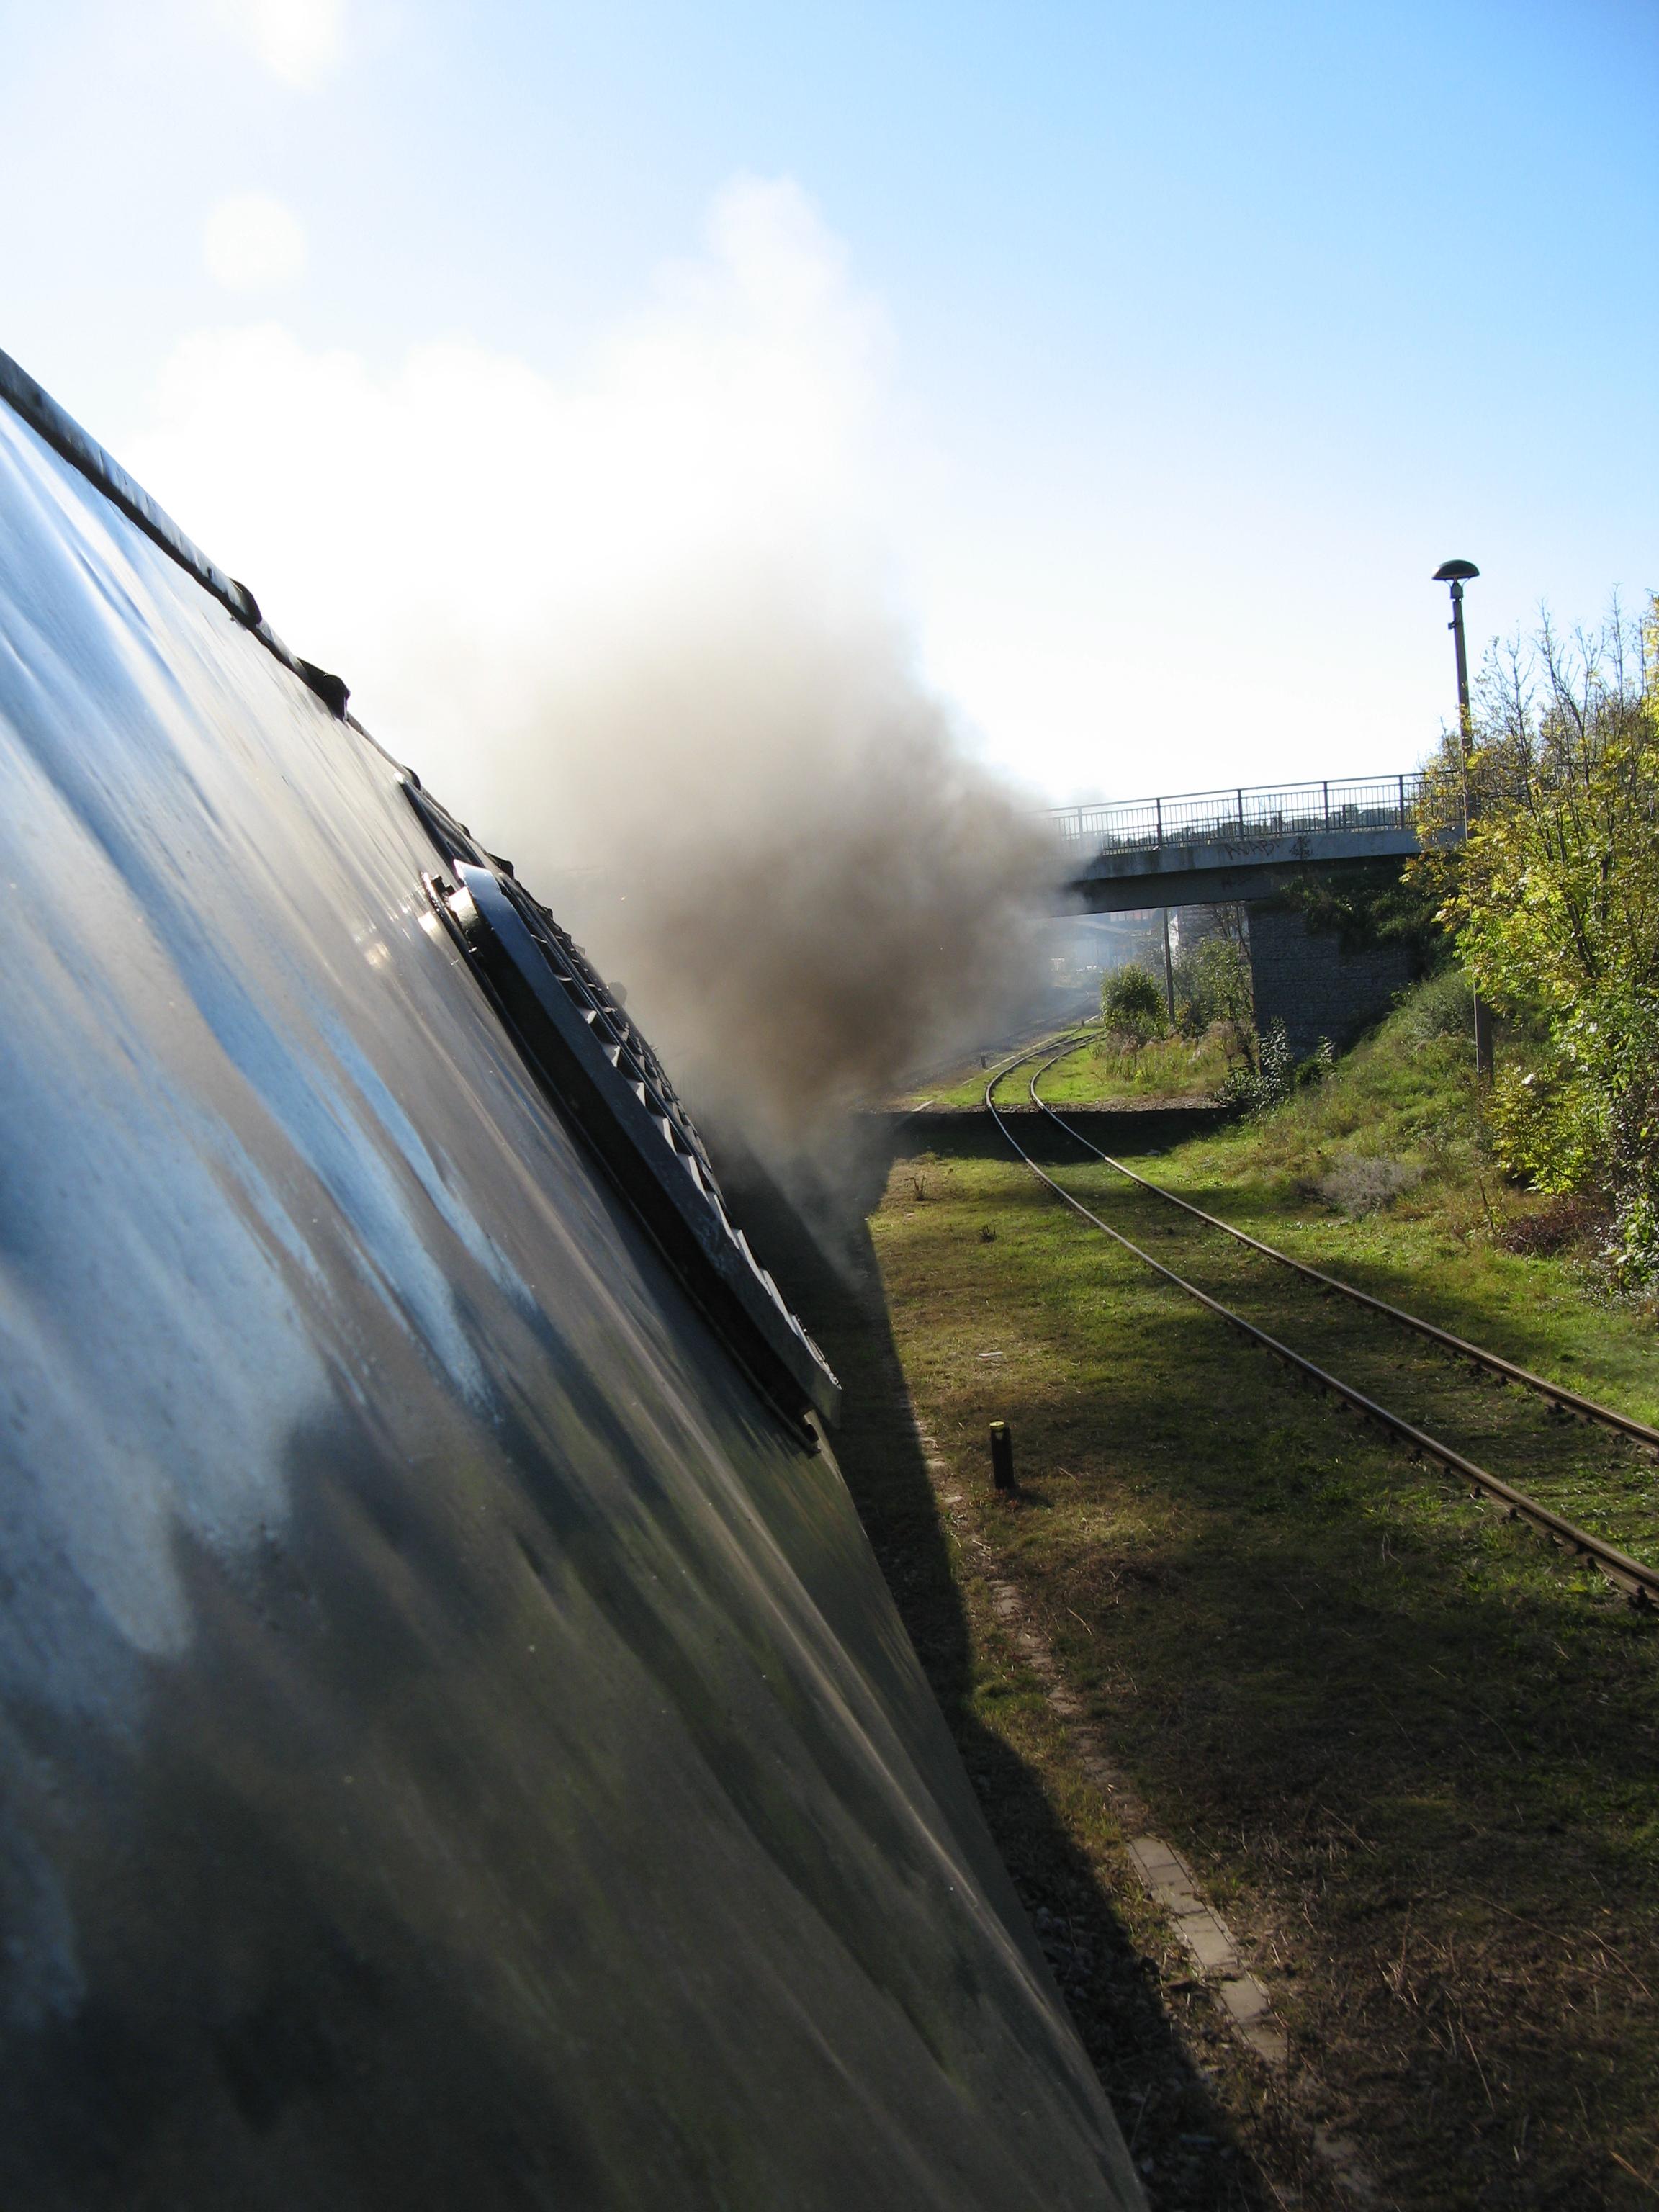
(1372, 904)
(1251, 1091)
(1132, 1003)
(1554, 894)
(1440, 1007)
(1556, 1227)
(1355, 1184)
(1548, 1126)
(1320, 1063)
(1631, 1255)
(1211, 984)
(1237, 1091)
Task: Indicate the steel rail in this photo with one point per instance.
(1639, 1581)
(1587, 1409)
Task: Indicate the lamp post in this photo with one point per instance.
(1457, 573)
(1168, 970)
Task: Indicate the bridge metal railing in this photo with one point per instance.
(1248, 814)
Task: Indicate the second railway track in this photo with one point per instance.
(1634, 1577)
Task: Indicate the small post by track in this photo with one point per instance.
(1002, 1456)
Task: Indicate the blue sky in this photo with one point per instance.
(1153, 358)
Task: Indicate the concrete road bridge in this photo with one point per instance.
(1245, 845)
(1206, 847)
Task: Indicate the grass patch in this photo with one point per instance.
(1173, 1069)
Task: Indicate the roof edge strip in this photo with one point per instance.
(36, 406)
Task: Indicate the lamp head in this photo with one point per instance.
(1454, 572)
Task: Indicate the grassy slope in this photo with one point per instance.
(1412, 1749)
(1437, 1248)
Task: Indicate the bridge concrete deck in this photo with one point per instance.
(1210, 872)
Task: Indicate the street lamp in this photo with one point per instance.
(1457, 573)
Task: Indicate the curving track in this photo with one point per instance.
(1634, 1577)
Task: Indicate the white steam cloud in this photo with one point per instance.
(634, 627)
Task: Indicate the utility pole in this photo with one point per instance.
(1457, 573)
(1168, 970)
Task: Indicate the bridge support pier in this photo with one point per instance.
(1303, 978)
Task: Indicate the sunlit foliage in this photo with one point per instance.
(1554, 898)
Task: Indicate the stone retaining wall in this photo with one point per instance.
(1303, 978)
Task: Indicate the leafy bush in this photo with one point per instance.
(1211, 984)
(1442, 1006)
(1371, 904)
(1549, 1126)
(1251, 1091)
(1320, 1063)
(1276, 1074)
(1631, 1253)
(1131, 1004)
(1357, 1184)
(1554, 895)
(1237, 1092)
(1556, 1227)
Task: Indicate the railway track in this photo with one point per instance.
(1634, 1577)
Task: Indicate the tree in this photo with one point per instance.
(1132, 1003)
(1212, 984)
(1554, 896)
